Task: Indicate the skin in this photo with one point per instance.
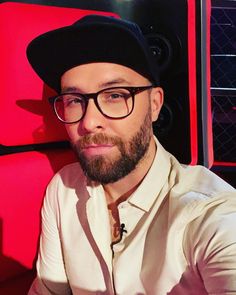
(93, 77)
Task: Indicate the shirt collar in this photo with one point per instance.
(152, 184)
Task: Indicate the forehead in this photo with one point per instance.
(95, 76)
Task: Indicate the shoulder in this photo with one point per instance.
(68, 176)
(67, 185)
(197, 192)
(197, 184)
(198, 178)
(210, 211)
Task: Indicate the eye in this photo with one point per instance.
(115, 94)
(72, 100)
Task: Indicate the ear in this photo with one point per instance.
(157, 97)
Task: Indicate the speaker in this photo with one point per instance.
(170, 29)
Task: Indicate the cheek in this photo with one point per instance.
(139, 115)
(72, 131)
(128, 127)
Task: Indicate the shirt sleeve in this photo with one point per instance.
(211, 248)
(51, 276)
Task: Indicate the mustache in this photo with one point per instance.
(99, 138)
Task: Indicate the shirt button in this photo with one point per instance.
(123, 205)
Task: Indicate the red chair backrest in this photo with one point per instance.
(26, 120)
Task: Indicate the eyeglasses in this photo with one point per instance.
(114, 103)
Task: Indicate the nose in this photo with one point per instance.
(93, 121)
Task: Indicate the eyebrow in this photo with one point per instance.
(69, 89)
(114, 82)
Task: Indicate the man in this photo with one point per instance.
(127, 218)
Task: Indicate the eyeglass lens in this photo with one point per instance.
(112, 102)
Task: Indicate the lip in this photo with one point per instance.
(97, 149)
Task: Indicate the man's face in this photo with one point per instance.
(109, 149)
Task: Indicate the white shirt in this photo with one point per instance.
(181, 235)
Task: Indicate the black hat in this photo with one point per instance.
(93, 38)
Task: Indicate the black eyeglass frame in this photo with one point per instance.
(133, 91)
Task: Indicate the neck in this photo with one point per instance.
(121, 190)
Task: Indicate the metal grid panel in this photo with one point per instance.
(223, 82)
(223, 48)
(224, 127)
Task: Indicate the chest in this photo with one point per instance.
(148, 260)
(147, 263)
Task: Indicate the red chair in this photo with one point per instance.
(32, 142)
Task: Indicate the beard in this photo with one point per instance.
(107, 169)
